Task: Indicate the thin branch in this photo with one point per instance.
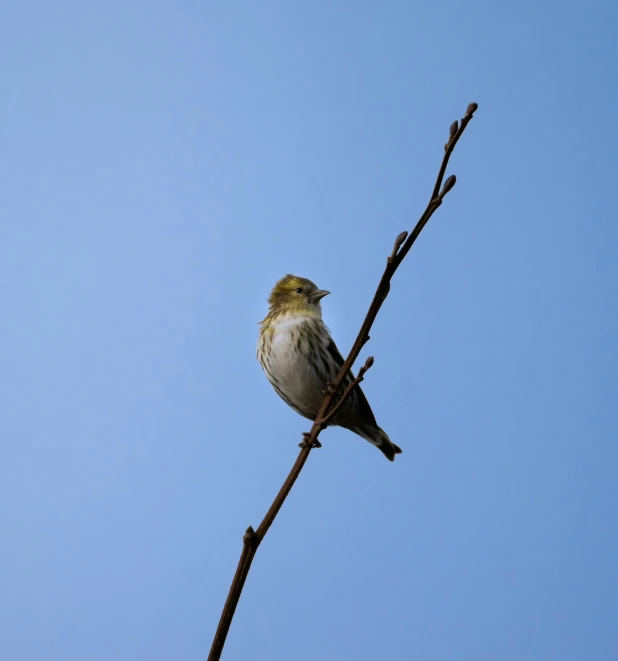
(346, 393)
(252, 539)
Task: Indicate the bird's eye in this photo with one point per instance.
(299, 290)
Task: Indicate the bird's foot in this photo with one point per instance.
(305, 442)
(330, 390)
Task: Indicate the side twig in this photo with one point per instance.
(346, 393)
(404, 241)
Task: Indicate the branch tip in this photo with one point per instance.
(448, 185)
(401, 237)
(368, 363)
(471, 109)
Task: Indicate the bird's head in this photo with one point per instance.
(295, 294)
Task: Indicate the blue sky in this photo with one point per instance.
(162, 165)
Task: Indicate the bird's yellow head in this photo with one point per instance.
(294, 294)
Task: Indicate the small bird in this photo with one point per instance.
(300, 359)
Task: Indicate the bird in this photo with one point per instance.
(300, 359)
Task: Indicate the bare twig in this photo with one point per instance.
(346, 393)
(252, 539)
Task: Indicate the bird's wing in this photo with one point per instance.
(357, 396)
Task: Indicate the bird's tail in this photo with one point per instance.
(378, 437)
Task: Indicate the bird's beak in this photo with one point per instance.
(319, 294)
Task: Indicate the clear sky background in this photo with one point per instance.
(162, 165)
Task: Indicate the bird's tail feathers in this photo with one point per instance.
(378, 437)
